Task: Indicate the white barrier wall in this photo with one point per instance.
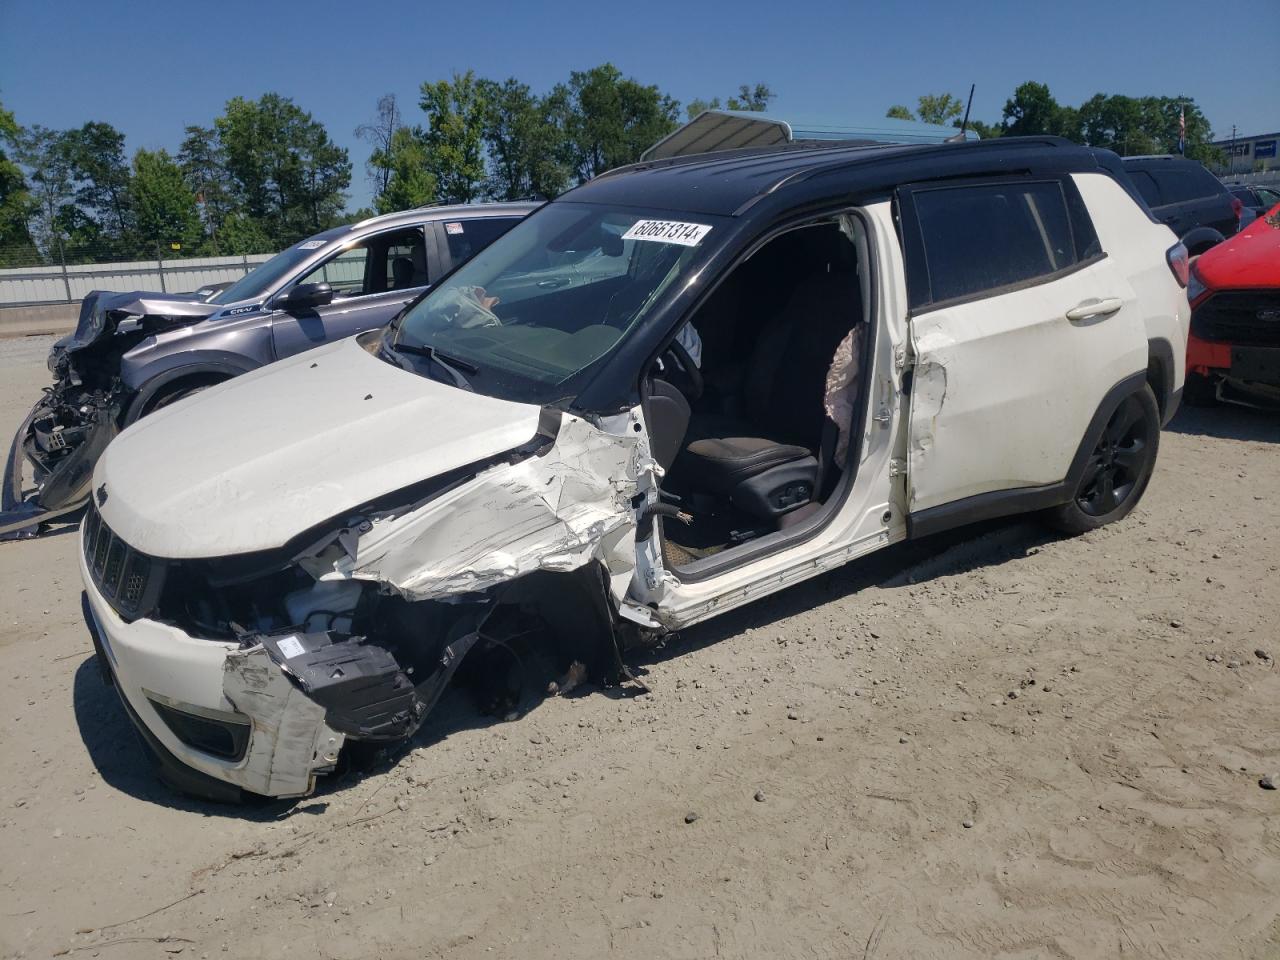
(32, 285)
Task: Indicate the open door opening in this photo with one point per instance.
(752, 408)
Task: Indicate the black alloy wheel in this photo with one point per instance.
(1118, 468)
(1118, 462)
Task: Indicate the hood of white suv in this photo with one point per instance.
(249, 464)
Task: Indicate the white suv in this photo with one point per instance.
(678, 388)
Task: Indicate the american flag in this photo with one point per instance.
(1182, 129)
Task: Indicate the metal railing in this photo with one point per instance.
(1266, 177)
(64, 274)
(29, 286)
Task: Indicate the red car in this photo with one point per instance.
(1233, 353)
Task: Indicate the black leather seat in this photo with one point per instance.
(401, 273)
(419, 277)
(411, 271)
(718, 464)
(766, 459)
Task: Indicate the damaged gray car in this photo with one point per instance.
(134, 353)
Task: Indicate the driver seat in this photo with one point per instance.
(767, 461)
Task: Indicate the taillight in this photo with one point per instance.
(1237, 207)
(1179, 263)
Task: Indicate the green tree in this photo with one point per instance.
(284, 170)
(164, 208)
(939, 108)
(612, 119)
(754, 98)
(378, 134)
(95, 153)
(16, 202)
(697, 106)
(410, 181)
(526, 142)
(987, 131)
(40, 154)
(204, 170)
(1162, 121)
(1031, 111)
(1118, 123)
(240, 233)
(456, 113)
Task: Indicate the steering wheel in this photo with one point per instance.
(677, 353)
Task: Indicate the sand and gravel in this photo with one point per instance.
(997, 743)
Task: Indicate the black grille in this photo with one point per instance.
(129, 580)
(1245, 317)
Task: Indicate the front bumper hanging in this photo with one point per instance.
(60, 493)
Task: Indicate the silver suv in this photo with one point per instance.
(133, 353)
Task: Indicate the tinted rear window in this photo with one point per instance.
(1179, 184)
(983, 237)
(469, 237)
(1146, 186)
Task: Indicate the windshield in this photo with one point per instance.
(553, 296)
(261, 279)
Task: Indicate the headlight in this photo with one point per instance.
(1196, 290)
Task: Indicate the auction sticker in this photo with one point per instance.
(668, 231)
(311, 245)
(453, 229)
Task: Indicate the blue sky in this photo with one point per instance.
(151, 68)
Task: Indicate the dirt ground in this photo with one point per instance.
(997, 743)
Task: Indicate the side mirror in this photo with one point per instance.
(306, 296)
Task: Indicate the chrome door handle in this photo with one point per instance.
(1095, 308)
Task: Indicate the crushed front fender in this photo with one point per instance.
(554, 512)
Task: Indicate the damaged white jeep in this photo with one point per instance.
(680, 387)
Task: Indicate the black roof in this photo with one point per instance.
(731, 182)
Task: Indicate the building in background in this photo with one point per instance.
(1256, 154)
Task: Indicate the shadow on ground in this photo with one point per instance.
(122, 759)
(1225, 421)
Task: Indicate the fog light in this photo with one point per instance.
(225, 739)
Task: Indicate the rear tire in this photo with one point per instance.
(1118, 469)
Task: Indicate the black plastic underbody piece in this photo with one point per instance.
(364, 690)
(361, 686)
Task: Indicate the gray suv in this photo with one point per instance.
(132, 353)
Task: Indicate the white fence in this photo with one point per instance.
(1268, 178)
(25, 286)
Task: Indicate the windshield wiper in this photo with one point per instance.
(456, 367)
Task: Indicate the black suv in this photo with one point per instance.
(1187, 197)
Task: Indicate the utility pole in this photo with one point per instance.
(1233, 150)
